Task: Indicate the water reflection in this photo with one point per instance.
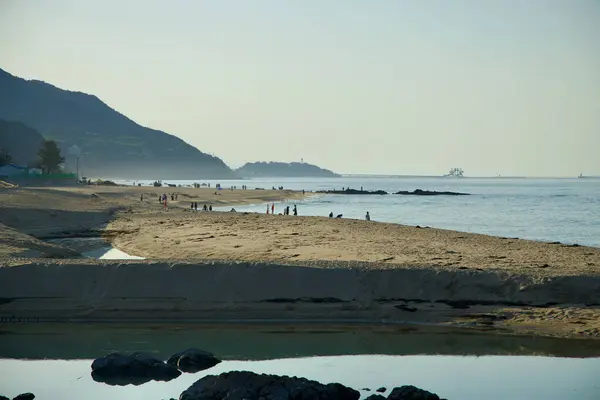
(231, 341)
(454, 377)
(54, 361)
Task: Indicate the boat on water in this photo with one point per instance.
(455, 173)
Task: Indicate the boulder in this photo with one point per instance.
(244, 385)
(25, 396)
(193, 360)
(3, 397)
(375, 397)
(409, 392)
(134, 369)
(381, 389)
(420, 192)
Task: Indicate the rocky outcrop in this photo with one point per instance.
(411, 393)
(375, 397)
(238, 385)
(419, 192)
(353, 191)
(134, 369)
(193, 360)
(25, 396)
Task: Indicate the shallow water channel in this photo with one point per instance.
(53, 361)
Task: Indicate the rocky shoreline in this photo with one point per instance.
(138, 368)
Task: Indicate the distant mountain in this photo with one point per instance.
(20, 141)
(281, 169)
(109, 143)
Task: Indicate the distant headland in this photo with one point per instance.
(282, 169)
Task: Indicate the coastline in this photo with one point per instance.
(435, 277)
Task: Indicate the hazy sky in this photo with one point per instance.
(385, 86)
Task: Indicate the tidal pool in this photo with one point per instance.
(53, 361)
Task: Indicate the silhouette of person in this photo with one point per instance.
(331, 214)
(368, 217)
(295, 210)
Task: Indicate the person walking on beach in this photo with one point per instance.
(210, 208)
(192, 206)
(273, 208)
(141, 197)
(331, 214)
(196, 206)
(267, 209)
(368, 217)
(295, 210)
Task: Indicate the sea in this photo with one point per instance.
(551, 210)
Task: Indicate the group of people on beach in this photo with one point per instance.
(194, 207)
(162, 199)
(286, 210)
(367, 217)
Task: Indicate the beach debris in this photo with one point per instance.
(420, 192)
(7, 185)
(193, 360)
(252, 386)
(135, 369)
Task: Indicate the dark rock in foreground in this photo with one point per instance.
(193, 360)
(420, 192)
(135, 369)
(375, 397)
(25, 396)
(411, 393)
(238, 385)
(352, 191)
(381, 389)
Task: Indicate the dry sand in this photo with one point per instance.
(279, 267)
(48, 212)
(278, 238)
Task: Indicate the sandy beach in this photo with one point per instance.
(235, 266)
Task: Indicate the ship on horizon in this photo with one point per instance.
(455, 173)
